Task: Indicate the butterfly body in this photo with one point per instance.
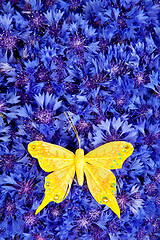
(63, 164)
(79, 165)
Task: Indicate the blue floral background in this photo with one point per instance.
(98, 59)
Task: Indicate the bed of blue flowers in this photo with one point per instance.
(98, 59)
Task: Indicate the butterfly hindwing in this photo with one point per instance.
(51, 157)
(102, 185)
(110, 155)
(57, 186)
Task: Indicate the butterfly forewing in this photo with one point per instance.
(110, 155)
(50, 157)
(102, 185)
(57, 186)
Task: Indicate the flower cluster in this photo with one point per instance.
(99, 60)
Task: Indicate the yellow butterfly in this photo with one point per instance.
(96, 166)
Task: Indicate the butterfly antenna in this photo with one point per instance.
(68, 116)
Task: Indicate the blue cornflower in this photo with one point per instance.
(30, 221)
(4, 132)
(151, 189)
(45, 101)
(10, 221)
(47, 55)
(9, 105)
(12, 38)
(31, 65)
(149, 133)
(42, 74)
(5, 21)
(22, 79)
(55, 20)
(114, 130)
(130, 200)
(9, 210)
(8, 41)
(8, 161)
(39, 119)
(37, 22)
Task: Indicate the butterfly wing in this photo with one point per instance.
(102, 185)
(57, 186)
(59, 160)
(51, 157)
(110, 155)
(101, 181)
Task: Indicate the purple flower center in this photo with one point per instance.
(37, 20)
(157, 177)
(30, 219)
(8, 41)
(77, 43)
(151, 189)
(10, 208)
(44, 116)
(83, 223)
(7, 162)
